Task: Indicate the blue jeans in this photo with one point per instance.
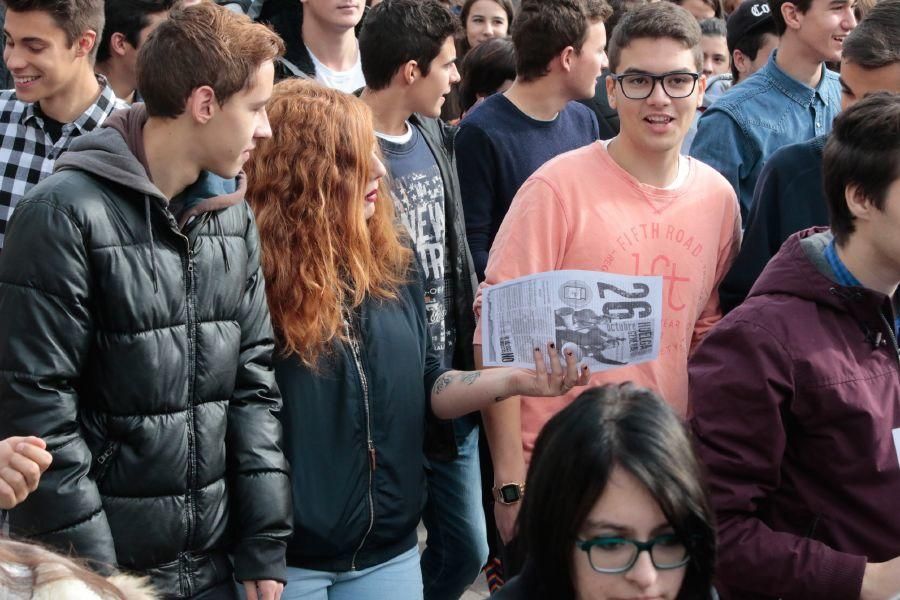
(456, 546)
(399, 578)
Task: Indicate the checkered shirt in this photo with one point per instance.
(27, 153)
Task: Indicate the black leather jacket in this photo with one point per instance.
(141, 352)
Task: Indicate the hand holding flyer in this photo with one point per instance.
(611, 320)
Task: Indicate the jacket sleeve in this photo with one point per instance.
(258, 471)
(741, 383)
(476, 166)
(721, 144)
(45, 334)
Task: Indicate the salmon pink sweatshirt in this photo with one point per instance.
(581, 210)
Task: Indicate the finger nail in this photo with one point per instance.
(552, 345)
(537, 348)
(568, 353)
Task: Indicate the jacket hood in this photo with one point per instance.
(105, 153)
(800, 269)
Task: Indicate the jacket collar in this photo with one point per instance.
(87, 121)
(790, 87)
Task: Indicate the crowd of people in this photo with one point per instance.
(244, 247)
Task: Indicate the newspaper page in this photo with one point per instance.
(609, 320)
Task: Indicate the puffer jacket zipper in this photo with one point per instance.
(190, 508)
(370, 444)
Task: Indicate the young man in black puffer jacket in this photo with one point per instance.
(135, 336)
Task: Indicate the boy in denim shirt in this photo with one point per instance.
(792, 99)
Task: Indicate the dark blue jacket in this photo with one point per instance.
(353, 435)
(788, 198)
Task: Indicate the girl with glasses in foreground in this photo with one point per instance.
(614, 506)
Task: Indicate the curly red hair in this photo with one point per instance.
(306, 185)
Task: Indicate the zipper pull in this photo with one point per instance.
(372, 461)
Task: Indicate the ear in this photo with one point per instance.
(859, 205)
(409, 72)
(85, 43)
(566, 57)
(740, 62)
(792, 15)
(202, 104)
(701, 89)
(117, 44)
(611, 90)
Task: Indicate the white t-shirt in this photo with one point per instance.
(345, 81)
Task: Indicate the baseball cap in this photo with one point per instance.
(749, 15)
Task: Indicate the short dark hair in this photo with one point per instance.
(750, 44)
(201, 45)
(716, 5)
(398, 31)
(778, 18)
(485, 68)
(655, 21)
(619, 8)
(507, 7)
(544, 28)
(574, 456)
(128, 17)
(74, 17)
(875, 42)
(863, 151)
(714, 27)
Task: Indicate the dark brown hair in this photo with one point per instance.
(863, 151)
(544, 28)
(778, 17)
(398, 31)
(462, 46)
(716, 5)
(485, 69)
(655, 21)
(575, 454)
(201, 45)
(74, 17)
(875, 42)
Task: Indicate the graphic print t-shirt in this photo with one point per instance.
(418, 191)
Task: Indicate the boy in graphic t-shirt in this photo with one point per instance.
(632, 206)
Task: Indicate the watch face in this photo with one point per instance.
(510, 493)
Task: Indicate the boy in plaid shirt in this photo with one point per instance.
(50, 50)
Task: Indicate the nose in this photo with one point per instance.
(13, 58)
(643, 574)
(263, 129)
(454, 74)
(707, 66)
(658, 95)
(849, 21)
(378, 170)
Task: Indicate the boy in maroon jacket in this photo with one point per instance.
(795, 395)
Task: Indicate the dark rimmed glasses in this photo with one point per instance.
(618, 554)
(676, 84)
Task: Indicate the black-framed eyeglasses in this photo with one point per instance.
(676, 84)
(617, 554)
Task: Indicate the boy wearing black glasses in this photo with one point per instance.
(632, 206)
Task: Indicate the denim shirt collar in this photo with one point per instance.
(801, 94)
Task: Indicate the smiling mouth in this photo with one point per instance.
(25, 80)
(659, 119)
